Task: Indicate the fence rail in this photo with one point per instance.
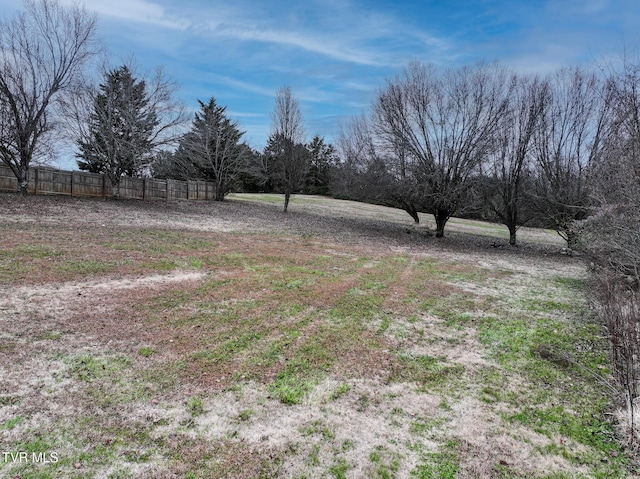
(49, 181)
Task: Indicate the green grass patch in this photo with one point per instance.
(146, 351)
(576, 284)
(33, 251)
(161, 265)
(195, 406)
(88, 266)
(227, 350)
(439, 465)
(11, 423)
(385, 464)
(430, 373)
(89, 368)
(293, 384)
(339, 391)
(546, 305)
(339, 469)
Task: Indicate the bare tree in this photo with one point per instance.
(355, 149)
(287, 164)
(42, 52)
(566, 146)
(370, 171)
(509, 163)
(286, 144)
(443, 123)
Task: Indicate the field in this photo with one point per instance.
(204, 340)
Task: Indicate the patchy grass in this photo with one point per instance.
(350, 209)
(159, 349)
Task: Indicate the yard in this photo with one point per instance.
(210, 340)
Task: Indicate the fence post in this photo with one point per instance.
(144, 188)
(72, 183)
(35, 188)
(167, 190)
(104, 185)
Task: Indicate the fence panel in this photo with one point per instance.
(8, 181)
(49, 181)
(52, 182)
(177, 190)
(131, 188)
(156, 189)
(202, 190)
(89, 184)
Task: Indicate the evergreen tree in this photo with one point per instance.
(213, 147)
(121, 129)
(322, 164)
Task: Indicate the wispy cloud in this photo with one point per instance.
(312, 42)
(336, 53)
(138, 11)
(240, 85)
(343, 32)
(245, 114)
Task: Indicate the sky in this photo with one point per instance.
(336, 54)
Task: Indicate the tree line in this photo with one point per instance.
(478, 141)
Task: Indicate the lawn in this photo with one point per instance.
(205, 340)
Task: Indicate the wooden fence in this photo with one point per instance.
(49, 181)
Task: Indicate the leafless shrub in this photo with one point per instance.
(617, 303)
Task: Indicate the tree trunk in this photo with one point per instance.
(220, 193)
(572, 238)
(115, 188)
(23, 181)
(569, 233)
(413, 213)
(441, 216)
(287, 196)
(512, 234)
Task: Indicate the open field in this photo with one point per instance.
(202, 340)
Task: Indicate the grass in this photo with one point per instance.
(350, 209)
(297, 356)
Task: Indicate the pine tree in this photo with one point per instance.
(322, 164)
(213, 147)
(121, 129)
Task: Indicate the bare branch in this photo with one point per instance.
(42, 52)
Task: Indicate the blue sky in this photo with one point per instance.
(335, 54)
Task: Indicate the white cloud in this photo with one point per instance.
(345, 33)
(243, 114)
(332, 47)
(140, 11)
(241, 85)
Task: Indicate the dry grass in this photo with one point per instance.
(166, 340)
